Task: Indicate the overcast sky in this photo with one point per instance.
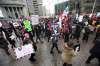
(49, 4)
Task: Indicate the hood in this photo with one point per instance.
(68, 48)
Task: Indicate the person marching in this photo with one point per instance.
(95, 51)
(3, 42)
(54, 43)
(38, 33)
(28, 29)
(77, 32)
(67, 54)
(86, 34)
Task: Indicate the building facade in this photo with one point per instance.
(29, 5)
(87, 6)
(13, 8)
(38, 7)
(60, 7)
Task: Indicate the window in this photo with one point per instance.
(89, 1)
(98, 0)
(6, 8)
(1, 14)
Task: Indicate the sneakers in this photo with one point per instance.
(51, 52)
(59, 52)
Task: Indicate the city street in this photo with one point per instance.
(64, 22)
(44, 58)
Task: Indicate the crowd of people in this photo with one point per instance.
(49, 28)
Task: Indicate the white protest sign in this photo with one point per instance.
(80, 18)
(35, 19)
(24, 50)
(15, 24)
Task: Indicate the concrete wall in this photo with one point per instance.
(14, 8)
(3, 12)
(29, 4)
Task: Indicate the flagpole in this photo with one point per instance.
(93, 6)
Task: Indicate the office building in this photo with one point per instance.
(60, 7)
(13, 8)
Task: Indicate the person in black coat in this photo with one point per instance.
(48, 34)
(54, 43)
(97, 33)
(38, 32)
(95, 52)
(77, 32)
(86, 34)
(3, 42)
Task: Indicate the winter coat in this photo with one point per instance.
(28, 41)
(37, 31)
(3, 43)
(96, 48)
(54, 39)
(1, 33)
(97, 35)
(67, 54)
(77, 31)
(48, 32)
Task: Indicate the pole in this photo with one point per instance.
(28, 7)
(93, 6)
(78, 7)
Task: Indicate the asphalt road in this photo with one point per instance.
(44, 58)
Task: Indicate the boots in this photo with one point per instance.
(59, 51)
(32, 59)
(51, 52)
(65, 64)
